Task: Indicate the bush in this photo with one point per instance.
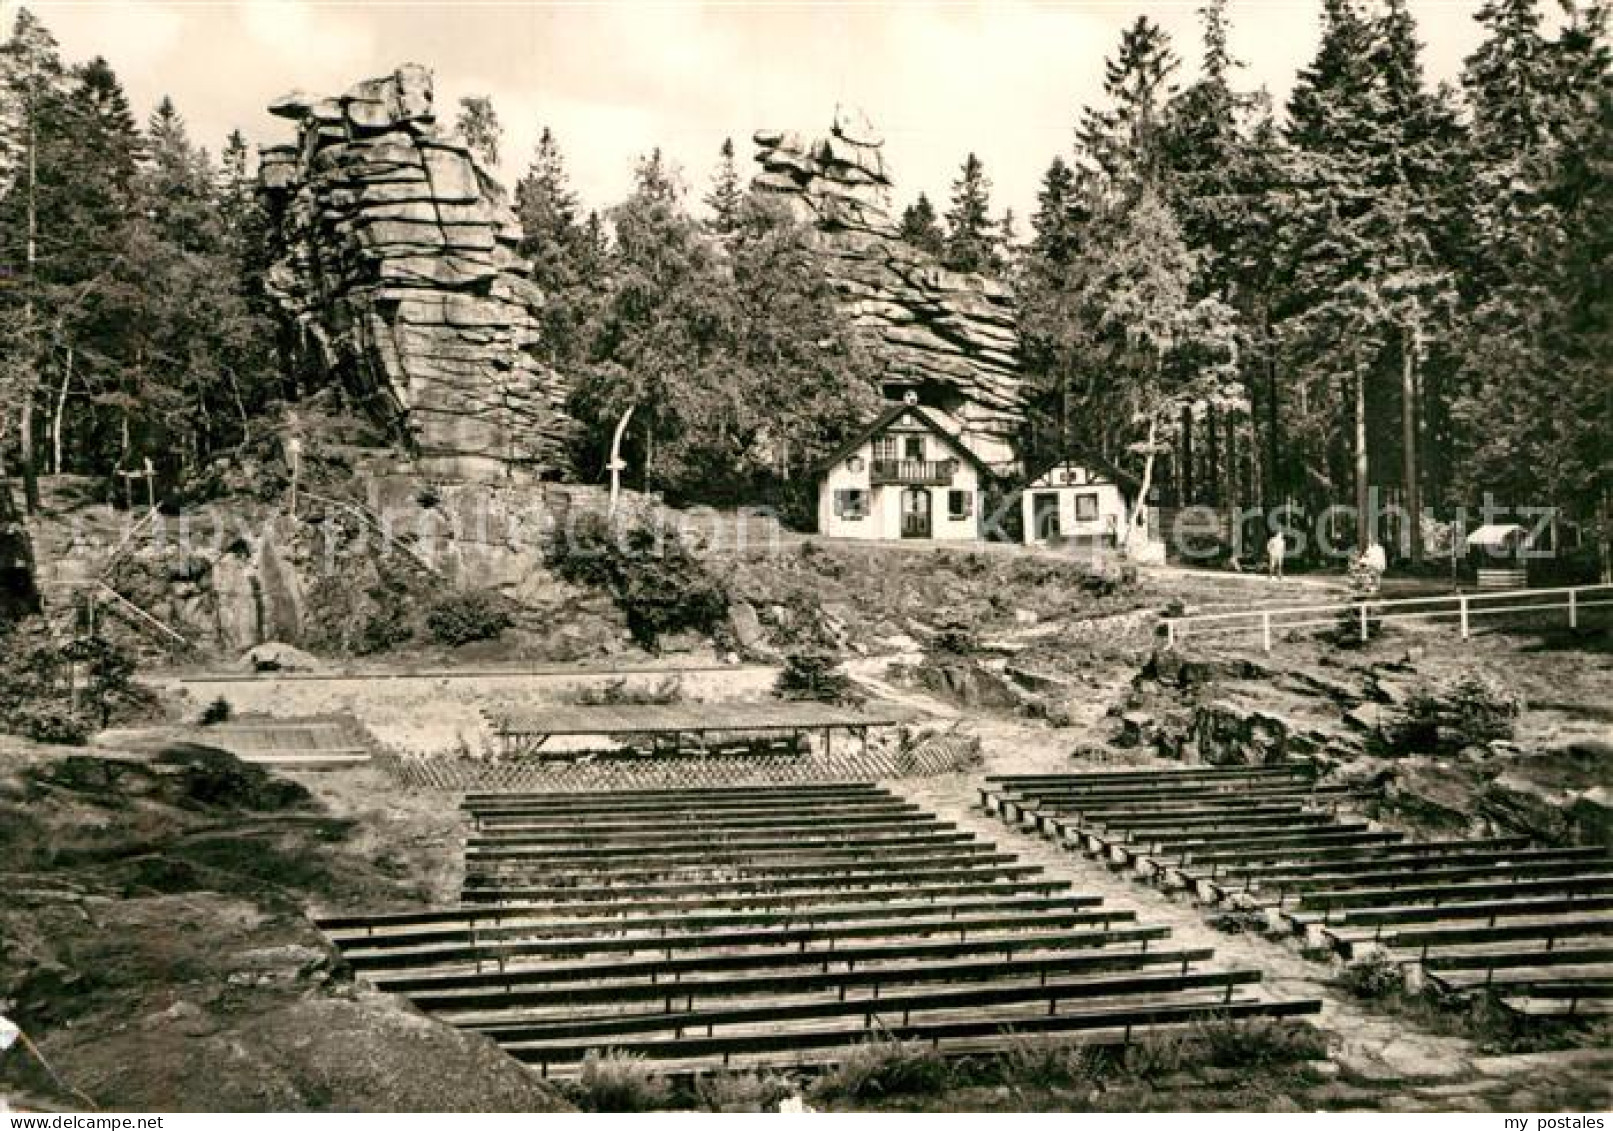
(816, 674)
(1049, 1061)
(619, 1081)
(463, 617)
(615, 692)
(1257, 1042)
(741, 1091)
(650, 572)
(58, 692)
(884, 1067)
(218, 711)
(1373, 976)
(1470, 710)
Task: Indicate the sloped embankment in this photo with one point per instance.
(153, 942)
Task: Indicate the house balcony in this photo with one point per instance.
(912, 472)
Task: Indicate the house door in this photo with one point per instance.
(1045, 515)
(916, 512)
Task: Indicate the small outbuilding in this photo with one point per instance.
(1497, 552)
(1070, 504)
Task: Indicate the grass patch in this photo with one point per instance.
(884, 1067)
(618, 1081)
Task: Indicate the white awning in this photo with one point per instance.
(1496, 534)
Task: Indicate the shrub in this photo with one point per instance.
(1469, 710)
(473, 614)
(741, 1091)
(616, 692)
(650, 572)
(619, 1081)
(58, 692)
(1373, 976)
(1257, 1042)
(218, 711)
(816, 674)
(884, 1067)
(1048, 1061)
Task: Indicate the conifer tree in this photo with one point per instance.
(921, 228)
(726, 193)
(971, 243)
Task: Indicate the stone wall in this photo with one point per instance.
(398, 273)
(952, 338)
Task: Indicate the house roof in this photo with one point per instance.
(890, 415)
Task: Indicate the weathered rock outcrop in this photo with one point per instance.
(950, 337)
(399, 274)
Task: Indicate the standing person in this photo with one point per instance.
(1275, 548)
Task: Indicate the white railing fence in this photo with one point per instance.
(1462, 607)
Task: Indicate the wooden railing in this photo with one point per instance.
(1463, 607)
(918, 472)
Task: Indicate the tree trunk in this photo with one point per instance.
(1212, 455)
(30, 471)
(1364, 534)
(1186, 499)
(1274, 464)
(1139, 511)
(56, 420)
(1408, 419)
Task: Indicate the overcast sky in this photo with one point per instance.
(1005, 80)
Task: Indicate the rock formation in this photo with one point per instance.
(399, 274)
(952, 338)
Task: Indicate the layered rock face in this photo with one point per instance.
(399, 273)
(951, 338)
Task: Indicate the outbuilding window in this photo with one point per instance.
(1086, 506)
(960, 504)
(851, 503)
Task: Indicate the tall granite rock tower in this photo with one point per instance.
(397, 270)
(951, 338)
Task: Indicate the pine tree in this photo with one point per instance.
(971, 244)
(726, 193)
(921, 228)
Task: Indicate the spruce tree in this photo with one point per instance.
(726, 193)
(971, 244)
(921, 228)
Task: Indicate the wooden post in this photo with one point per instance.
(1265, 630)
(1461, 602)
(1170, 634)
(1573, 609)
(1363, 622)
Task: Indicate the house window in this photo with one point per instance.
(851, 503)
(885, 447)
(1086, 506)
(915, 448)
(960, 504)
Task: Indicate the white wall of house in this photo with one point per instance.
(954, 507)
(1088, 505)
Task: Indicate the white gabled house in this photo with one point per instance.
(1071, 504)
(903, 476)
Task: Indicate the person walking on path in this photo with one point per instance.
(1275, 548)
